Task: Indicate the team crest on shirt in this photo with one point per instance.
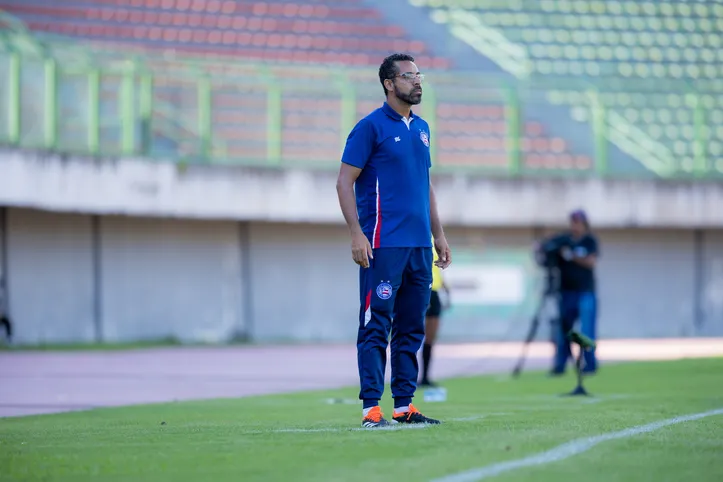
(424, 137)
(384, 290)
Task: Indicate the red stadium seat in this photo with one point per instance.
(303, 31)
(341, 27)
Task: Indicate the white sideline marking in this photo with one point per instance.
(478, 417)
(394, 426)
(338, 429)
(603, 398)
(568, 449)
(300, 430)
(342, 401)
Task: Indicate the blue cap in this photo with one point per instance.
(579, 215)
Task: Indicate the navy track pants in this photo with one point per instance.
(394, 297)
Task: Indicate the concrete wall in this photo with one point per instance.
(83, 278)
(80, 277)
(50, 276)
(645, 281)
(138, 187)
(303, 282)
(711, 285)
(166, 277)
(3, 262)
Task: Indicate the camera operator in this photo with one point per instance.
(578, 299)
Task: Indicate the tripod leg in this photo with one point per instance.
(530, 336)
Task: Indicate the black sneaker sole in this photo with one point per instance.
(417, 419)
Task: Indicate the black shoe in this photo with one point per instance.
(414, 416)
(427, 384)
(375, 418)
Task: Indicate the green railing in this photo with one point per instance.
(59, 97)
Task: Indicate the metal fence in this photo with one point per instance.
(92, 100)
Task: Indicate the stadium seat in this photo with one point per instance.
(341, 32)
(646, 58)
(307, 124)
(310, 31)
(477, 135)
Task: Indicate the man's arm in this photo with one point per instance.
(347, 199)
(590, 259)
(361, 250)
(586, 261)
(358, 149)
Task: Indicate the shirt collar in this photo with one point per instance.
(394, 114)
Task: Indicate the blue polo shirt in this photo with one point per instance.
(392, 191)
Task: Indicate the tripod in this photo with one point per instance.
(547, 306)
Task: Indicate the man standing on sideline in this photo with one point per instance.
(578, 297)
(432, 321)
(386, 197)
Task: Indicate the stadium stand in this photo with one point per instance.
(591, 61)
(342, 31)
(657, 66)
(303, 125)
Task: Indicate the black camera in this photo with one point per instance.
(547, 252)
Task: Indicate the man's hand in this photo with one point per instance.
(443, 252)
(566, 253)
(361, 250)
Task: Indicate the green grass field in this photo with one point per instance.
(301, 437)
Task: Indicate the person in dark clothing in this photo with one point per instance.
(578, 291)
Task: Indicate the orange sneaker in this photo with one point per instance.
(413, 416)
(375, 418)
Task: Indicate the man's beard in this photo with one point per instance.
(411, 98)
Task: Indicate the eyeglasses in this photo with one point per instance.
(408, 76)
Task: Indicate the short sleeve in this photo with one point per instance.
(359, 144)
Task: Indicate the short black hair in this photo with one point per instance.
(388, 69)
